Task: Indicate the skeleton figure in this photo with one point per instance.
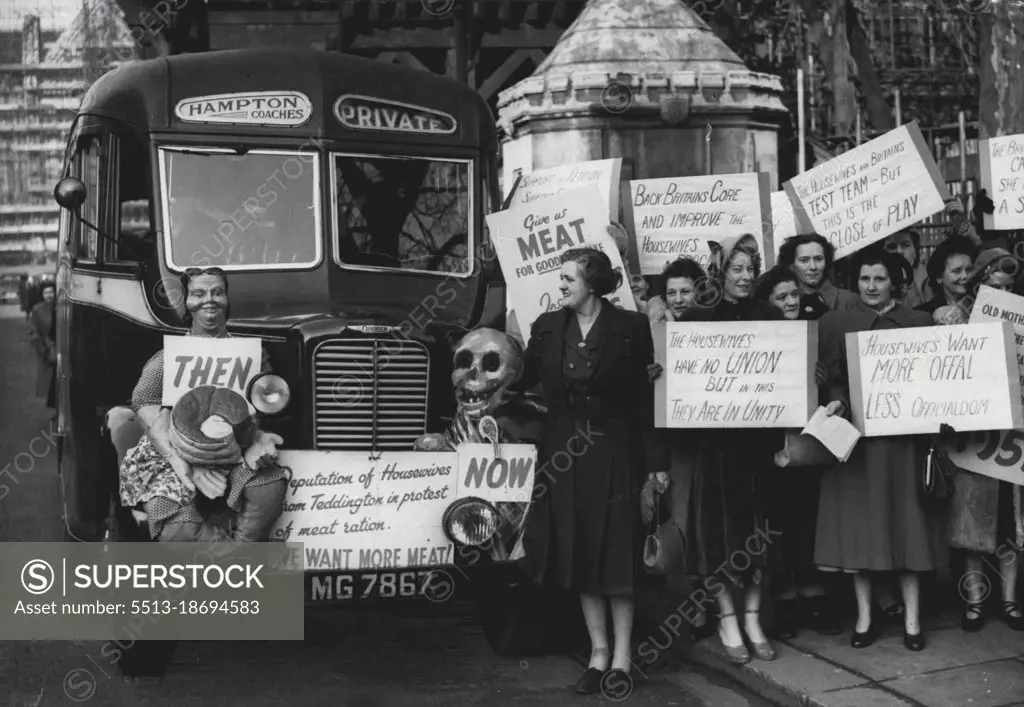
(487, 362)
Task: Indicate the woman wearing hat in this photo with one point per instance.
(157, 482)
(870, 518)
(949, 268)
(985, 511)
(725, 467)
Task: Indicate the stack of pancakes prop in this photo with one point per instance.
(212, 427)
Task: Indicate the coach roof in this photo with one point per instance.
(144, 95)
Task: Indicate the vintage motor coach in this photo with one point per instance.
(345, 199)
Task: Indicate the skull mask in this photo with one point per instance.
(487, 362)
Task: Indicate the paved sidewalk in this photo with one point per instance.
(956, 669)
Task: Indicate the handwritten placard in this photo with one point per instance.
(1002, 175)
(676, 217)
(994, 305)
(871, 191)
(909, 381)
(784, 221)
(192, 361)
(998, 454)
(735, 374)
(530, 240)
(353, 512)
(543, 184)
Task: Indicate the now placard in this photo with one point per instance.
(910, 381)
(676, 217)
(531, 239)
(735, 374)
(1002, 175)
(193, 361)
(871, 191)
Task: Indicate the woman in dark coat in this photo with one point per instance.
(598, 447)
(869, 516)
(725, 518)
(40, 320)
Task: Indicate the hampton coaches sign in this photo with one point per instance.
(365, 113)
(288, 108)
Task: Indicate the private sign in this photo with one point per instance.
(286, 108)
(365, 113)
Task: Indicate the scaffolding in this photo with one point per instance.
(44, 74)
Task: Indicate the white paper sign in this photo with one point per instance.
(543, 184)
(353, 512)
(193, 361)
(1002, 175)
(998, 454)
(735, 374)
(676, 217)
(784, 221)
(911, 380)
(871, 191)
(530, 240)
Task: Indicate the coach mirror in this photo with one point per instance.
(70, 193)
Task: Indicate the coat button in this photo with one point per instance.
(572, 365)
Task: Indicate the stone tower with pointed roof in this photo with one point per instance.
(649, 82)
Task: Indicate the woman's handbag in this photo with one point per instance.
(935, 480)
(665, 546)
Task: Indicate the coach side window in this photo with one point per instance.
(133, 210)
(89, 167)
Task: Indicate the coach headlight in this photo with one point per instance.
(269, 394)
(470, 521)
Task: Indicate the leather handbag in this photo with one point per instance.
(664, 546)
(935, 480)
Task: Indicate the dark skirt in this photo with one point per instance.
(869, 514)
(727, 537)
(582, 533)
(790, 503)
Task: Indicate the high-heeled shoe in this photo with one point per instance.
(973, 618)
(736, 654)
(590, 682)
(1016, 623)
(913, 641)
(762, 649)
(863, 639)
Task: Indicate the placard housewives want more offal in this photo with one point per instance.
(910, 381)
(735, 374)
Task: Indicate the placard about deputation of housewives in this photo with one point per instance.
(676, 217)
(735, 374)
(1002, 175)
(871, 191)
(542, 184)
(193, 361)
(910, 381)
(531, 239)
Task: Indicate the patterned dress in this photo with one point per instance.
(149, 482)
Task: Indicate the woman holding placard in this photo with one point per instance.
(870, 518)
(985, 511)
(680, 280)
(948, 271)
(159, 484)
(599, 443)
(726, 466)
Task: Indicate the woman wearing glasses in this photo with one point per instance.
(158, 482)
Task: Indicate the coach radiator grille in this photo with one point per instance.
(369, 393)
